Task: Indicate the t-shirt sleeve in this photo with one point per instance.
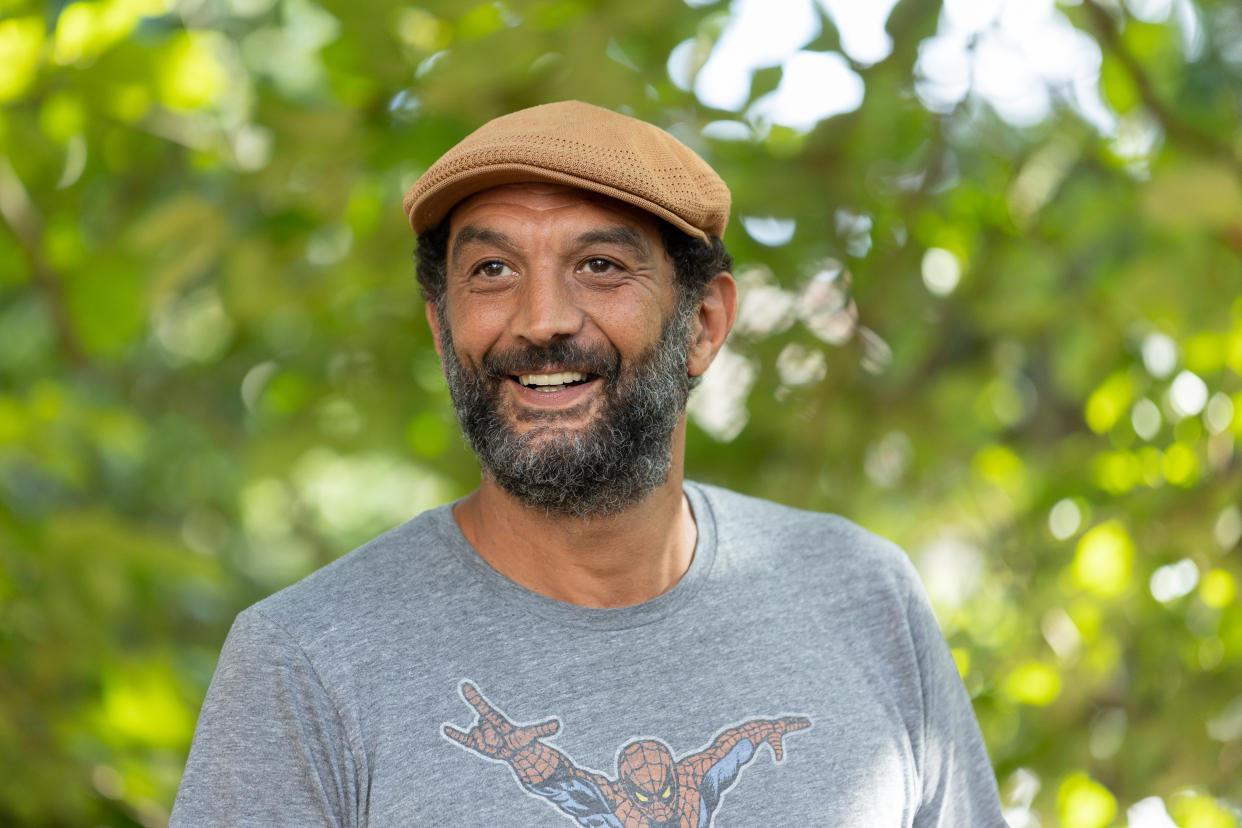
(271, 747)
(958, 783)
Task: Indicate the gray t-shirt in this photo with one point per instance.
(409, 683)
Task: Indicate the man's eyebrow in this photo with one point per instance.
(473, 234)
(620, 235)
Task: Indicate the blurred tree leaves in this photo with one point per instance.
(1016, 348)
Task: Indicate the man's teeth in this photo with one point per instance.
(551, 382)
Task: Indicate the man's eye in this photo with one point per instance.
(641, 797)
(598, 265)
(493, 269)
(667, 792)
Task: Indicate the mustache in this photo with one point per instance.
(602, 360)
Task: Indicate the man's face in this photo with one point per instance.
(564, 345)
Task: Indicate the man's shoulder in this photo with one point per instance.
(808, 540)
(385, 572)
(736, 512)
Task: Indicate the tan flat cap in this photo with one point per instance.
(579, 145)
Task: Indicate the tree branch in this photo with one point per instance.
(19, 212)
(1174, 127)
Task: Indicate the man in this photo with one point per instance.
(588, 638)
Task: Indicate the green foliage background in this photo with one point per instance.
(215, 376)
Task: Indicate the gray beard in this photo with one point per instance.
(599, 469)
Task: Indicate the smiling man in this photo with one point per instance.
(588, 637)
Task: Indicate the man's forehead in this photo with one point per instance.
(550, 201)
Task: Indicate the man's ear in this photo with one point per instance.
(433, 322)
(713, 322)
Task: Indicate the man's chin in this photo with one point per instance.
(552, 440)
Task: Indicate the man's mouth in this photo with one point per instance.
(547, 383)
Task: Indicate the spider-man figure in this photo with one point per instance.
(652, 790)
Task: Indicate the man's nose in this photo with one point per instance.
(547, 308)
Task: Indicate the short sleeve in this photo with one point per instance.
(958, 783)
(270, 747)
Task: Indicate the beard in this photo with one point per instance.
(614, 461)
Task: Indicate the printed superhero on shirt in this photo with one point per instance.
(652, 789)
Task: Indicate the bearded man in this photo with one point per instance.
(588, 637)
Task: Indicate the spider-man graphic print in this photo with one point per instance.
(651, 790)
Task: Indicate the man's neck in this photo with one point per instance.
(613, 561)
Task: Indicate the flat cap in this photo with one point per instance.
(579, 145)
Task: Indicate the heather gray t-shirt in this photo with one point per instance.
(409, 683)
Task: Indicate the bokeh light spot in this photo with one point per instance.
(1188, 394)
(1010, 54)
(1084, 803)
(192, 76)
(1145, 417)
(1064, 518)
(800, 365)
(1002, 467)
(85, 29)
(718, 404)
(1172, 581)
(769, 231)
(143, 706)
(760, 33)
(1219, 413)
(862, 27)
(764, 308)
(196, 328)
(1061, 633)
(1033, 683)
(951, 567)
(1109, 402)
(1228, 527)
(1180, 465)
(814, 86)
(1103, 560)
(21, 39)
(1159, 354)
(941, 271)
(1117, 472)
(727, 130)
(1218, 589)
(422, 30)
(1192, 809)
(1149, 813)
(1226, 726)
